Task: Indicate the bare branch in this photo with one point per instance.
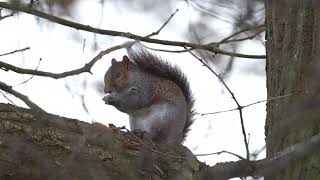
(233, 97)
(5, 96)
(197, 6)
(283, 159)
(6, 16)
(244, 38)
(220, 152)
(24, 98)
(286, 157)
(165, 50)
(257, 152)
(31, 3)
(209, 47)
(86, 68)
(31, 76)
(15, 51)
(251, 104)
(224, 41)
(164, 24)
(227, 39)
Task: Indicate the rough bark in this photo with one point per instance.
(41, 146)
(293, 49)
(36, 145)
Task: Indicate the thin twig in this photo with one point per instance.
(166, 50)
(244, 38)
(257, 102)
(257, 152)
(5, 96)
(225, 41)
(31, 76)
(86, 68)
(31, 3)
(239, 107)
(13, 109)
(164, 24)
(6, 16)
(197, 6)
(240, 32)
(24, 98)
(15, 51)
(220, 152)
(84, 45)
(78, 26)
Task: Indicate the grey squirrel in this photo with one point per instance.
(155, 95)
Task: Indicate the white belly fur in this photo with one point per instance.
(148, 118)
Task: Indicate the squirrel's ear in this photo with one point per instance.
(125, 59)
(127, 62)
(113, 61)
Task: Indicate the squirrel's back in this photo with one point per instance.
(153, 64)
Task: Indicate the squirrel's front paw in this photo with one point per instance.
(106, 99)
(111, 99)
(139, 133)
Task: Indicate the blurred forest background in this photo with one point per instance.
(235, 26)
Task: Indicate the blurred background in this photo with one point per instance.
(56, 48)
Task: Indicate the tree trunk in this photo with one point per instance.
(293, 54)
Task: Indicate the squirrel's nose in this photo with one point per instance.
(107, 90)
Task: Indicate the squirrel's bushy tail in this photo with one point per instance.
(151, 63)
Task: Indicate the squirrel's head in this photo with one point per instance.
(118, 75)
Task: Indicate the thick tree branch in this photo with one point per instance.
(209, 47)
(264, 167)
(288, 156)
(52, 147)
(47, 146)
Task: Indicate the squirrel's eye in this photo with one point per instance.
(133, 88)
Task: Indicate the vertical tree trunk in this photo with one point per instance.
(293, 50)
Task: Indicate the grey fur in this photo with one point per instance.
(153, 64)
(166, 119)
